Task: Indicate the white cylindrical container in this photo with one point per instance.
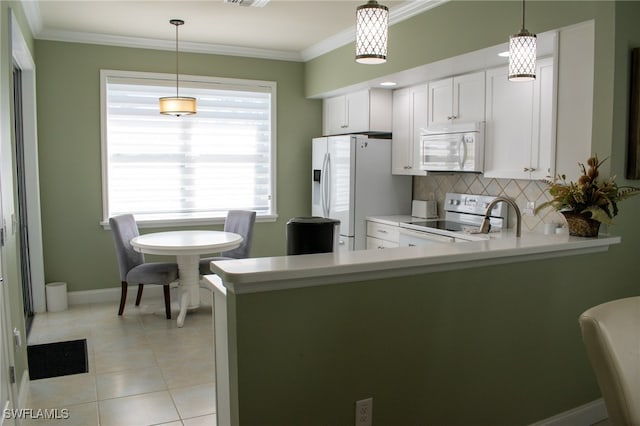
(550, 228)
(56, 296)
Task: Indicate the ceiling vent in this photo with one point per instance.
(253, 3)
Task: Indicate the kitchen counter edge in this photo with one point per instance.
(262, 274)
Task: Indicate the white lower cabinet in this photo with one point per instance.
(382, 236)
(520, 124)
(377, 243)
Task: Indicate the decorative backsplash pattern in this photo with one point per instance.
(435, 186)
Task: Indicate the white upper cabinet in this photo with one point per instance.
(457, 99)
(520, 125)
(409, 117)
(575, 99)
(358, 112)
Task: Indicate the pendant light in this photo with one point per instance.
(177, 105)
(371, 33)
(522, 54)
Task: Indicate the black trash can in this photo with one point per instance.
(307, 235)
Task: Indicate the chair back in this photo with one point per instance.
(124, 228)
(240, 222)
(611, 334)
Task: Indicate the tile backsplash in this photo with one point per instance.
(435, 186)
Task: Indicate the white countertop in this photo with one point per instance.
(285, 272)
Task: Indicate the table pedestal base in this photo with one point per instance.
(188, 268)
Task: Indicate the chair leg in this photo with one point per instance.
(123, 297)
(167, 300)
(139, 295)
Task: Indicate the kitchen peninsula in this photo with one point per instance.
(289, 329)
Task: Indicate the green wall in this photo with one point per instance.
(486, 346)
(77, 249)
(448, 30)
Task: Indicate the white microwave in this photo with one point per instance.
(453, 147)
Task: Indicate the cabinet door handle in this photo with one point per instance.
(529, 169)
(450, 117)
(526, 169)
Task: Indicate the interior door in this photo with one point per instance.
(341, 150)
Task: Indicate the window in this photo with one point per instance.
(189, 169)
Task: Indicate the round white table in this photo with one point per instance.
(187, 246)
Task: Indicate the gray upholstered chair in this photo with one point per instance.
(239, 222)
(133, 268)
(611, 335)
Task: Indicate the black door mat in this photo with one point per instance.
(57, 359)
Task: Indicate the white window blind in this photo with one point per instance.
(164, 168)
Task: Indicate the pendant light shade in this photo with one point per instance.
(177, 105)
(372, 25)
(522, 54)
(174, 105)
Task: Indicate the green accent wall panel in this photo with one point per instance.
(488, 346)
(448, 30)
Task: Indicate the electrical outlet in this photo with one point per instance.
(364, 411)
(531, 208)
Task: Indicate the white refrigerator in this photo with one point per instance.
(351, 179)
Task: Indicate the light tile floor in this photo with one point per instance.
(143, 370)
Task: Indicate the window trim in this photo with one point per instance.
(170, 78)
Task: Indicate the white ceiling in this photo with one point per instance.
(284, 29)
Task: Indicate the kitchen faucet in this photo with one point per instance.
(486, 224)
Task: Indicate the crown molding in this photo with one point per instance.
(32, 13)
(150, 43)
(397, 14)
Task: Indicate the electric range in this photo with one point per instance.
(463, 214)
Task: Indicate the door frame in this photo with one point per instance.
(23, 59)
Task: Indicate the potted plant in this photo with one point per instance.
(589, 202)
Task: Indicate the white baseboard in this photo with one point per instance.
(104, 295)
(584, 415)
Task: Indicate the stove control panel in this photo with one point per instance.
(473, 204)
